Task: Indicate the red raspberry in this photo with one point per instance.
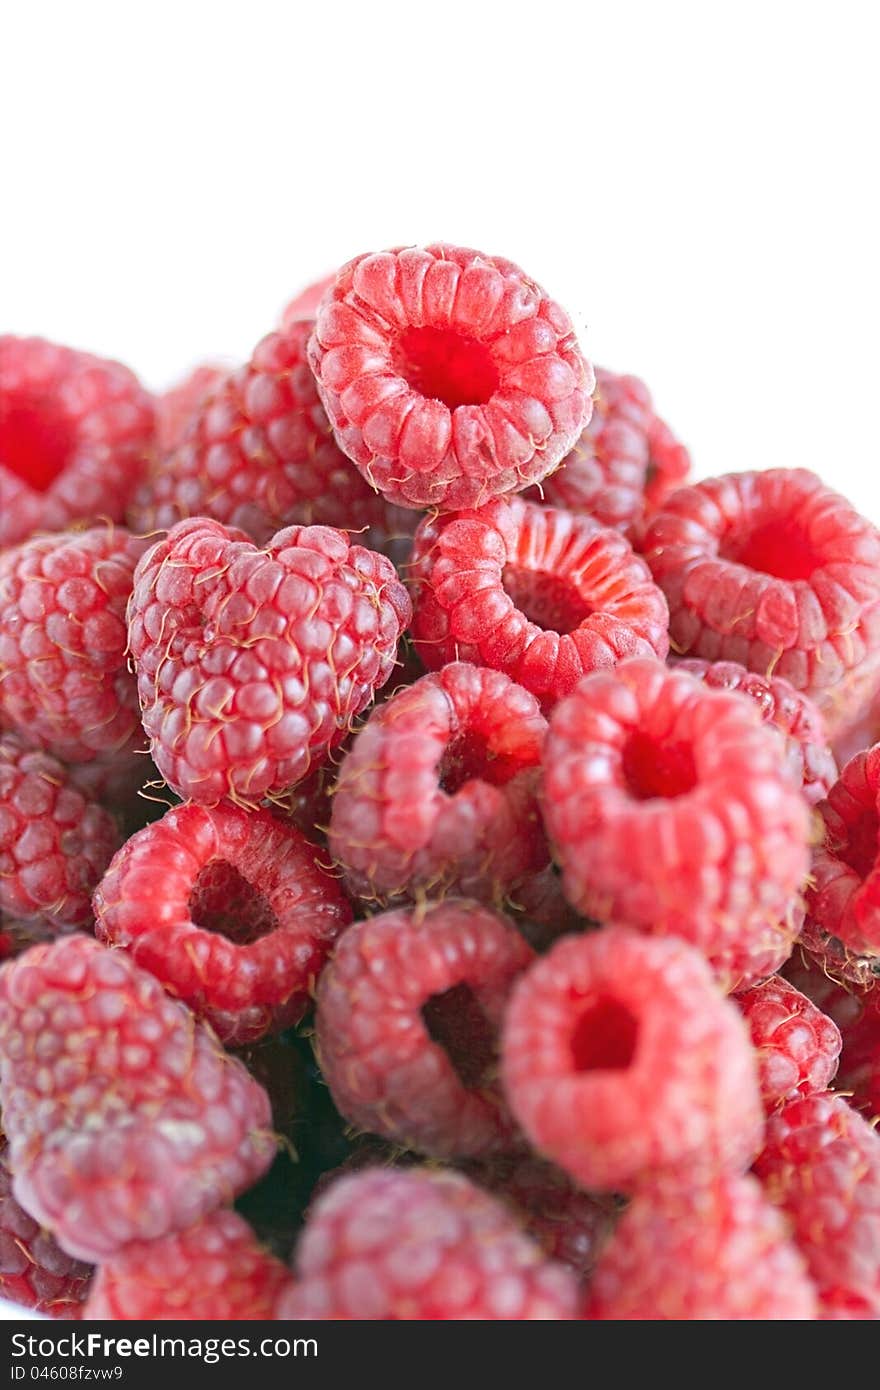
(66, 684)
(406, 1026)
(76, 433)
(797, 1045)
(125, 1119)
(230, 910)
(621, 1060)
(806, 745)
(671, 809)
(252, 663)
(856, 1012)
(540, 594)
(34, 1270)
(305, 305)
(449, 376)
(624, 453)
(775, 571)
(759, 953)
(707, 1252)
(54, 842)
(176, 408)
(414, 1244)
(541, 910)
(211, 1272)
(821, 1164)
(259, 455)
(438, 791)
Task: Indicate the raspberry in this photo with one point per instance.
(125, 1119)
(759, 953)
(438, 791)
(806, 746)
(413, 1244)
(177, 407)
(406, 1026)
(54, 842)
(76, 433)
(213, 1271)
(716, 1251)
(252, 663)
(797, 1045)
(821, 1164)
(34, 1270)
(776, 572)
(540, 594)
(541, 911)
(856, 1012)
(449, 377)
(305, 305)
(66, 685)
(671, 809)
(624, 454)
(230, 910)
(621, 1060)
(258, 455)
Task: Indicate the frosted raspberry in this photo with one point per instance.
(776, 572)
(406, 1026)
(540, 594)
(421, 1245)
(797, 1045)
(252, 663)
(439, 790)
(177, 406)
(76, 433)
(821, 1165)
(621, 1060)
(716, 1251)
(66, 684)
(305, 304)
(54, 842)
(797, 718)
(230, 910)
(449, 376)
(670, 808)
(258, 455)
(125, 1119)
(34, 1270)
(211, 1272)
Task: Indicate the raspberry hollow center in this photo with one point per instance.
(550, 601)
(456, 1022)
(604, 1038)
(35, 441)
(446, 366)
(778, 548)
(653, 769)
(224, 901)
(467, 758)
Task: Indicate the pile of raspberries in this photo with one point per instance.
(439, 855)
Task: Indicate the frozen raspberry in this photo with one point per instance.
(66, 685)
(252, 663)
(439, 790)
(76, 433)
(624, 451)
(34, 1270)
(125, 1119)
(776, 572)
(230, 910)
(390, 1244)
(621, 1060)
(797, 1045)
(701, 1252)
(541, 594)
(259, 455)
(806, 745)
(305, 305)
(176, 408)
(671, 809)
(55, 843)
(406, 1026)
(821, 1164)
(449, 376)
(213, 1271)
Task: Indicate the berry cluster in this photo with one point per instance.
(428, 889)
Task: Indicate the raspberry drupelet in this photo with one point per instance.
(230, 909)
(253, 663)
(671, 809)
(622, 1062)
(449, 376)
(798, 1046)
(417, 1244)
(34, 1271)
(76, 434)
(541, 594)
(692, 1252)
(439, 790)
(407, 1018)
(775, 571)
(125, 1118)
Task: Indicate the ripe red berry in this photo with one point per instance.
(34, 1271)
(797, 1045)
(305, 304)
(176, 408)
